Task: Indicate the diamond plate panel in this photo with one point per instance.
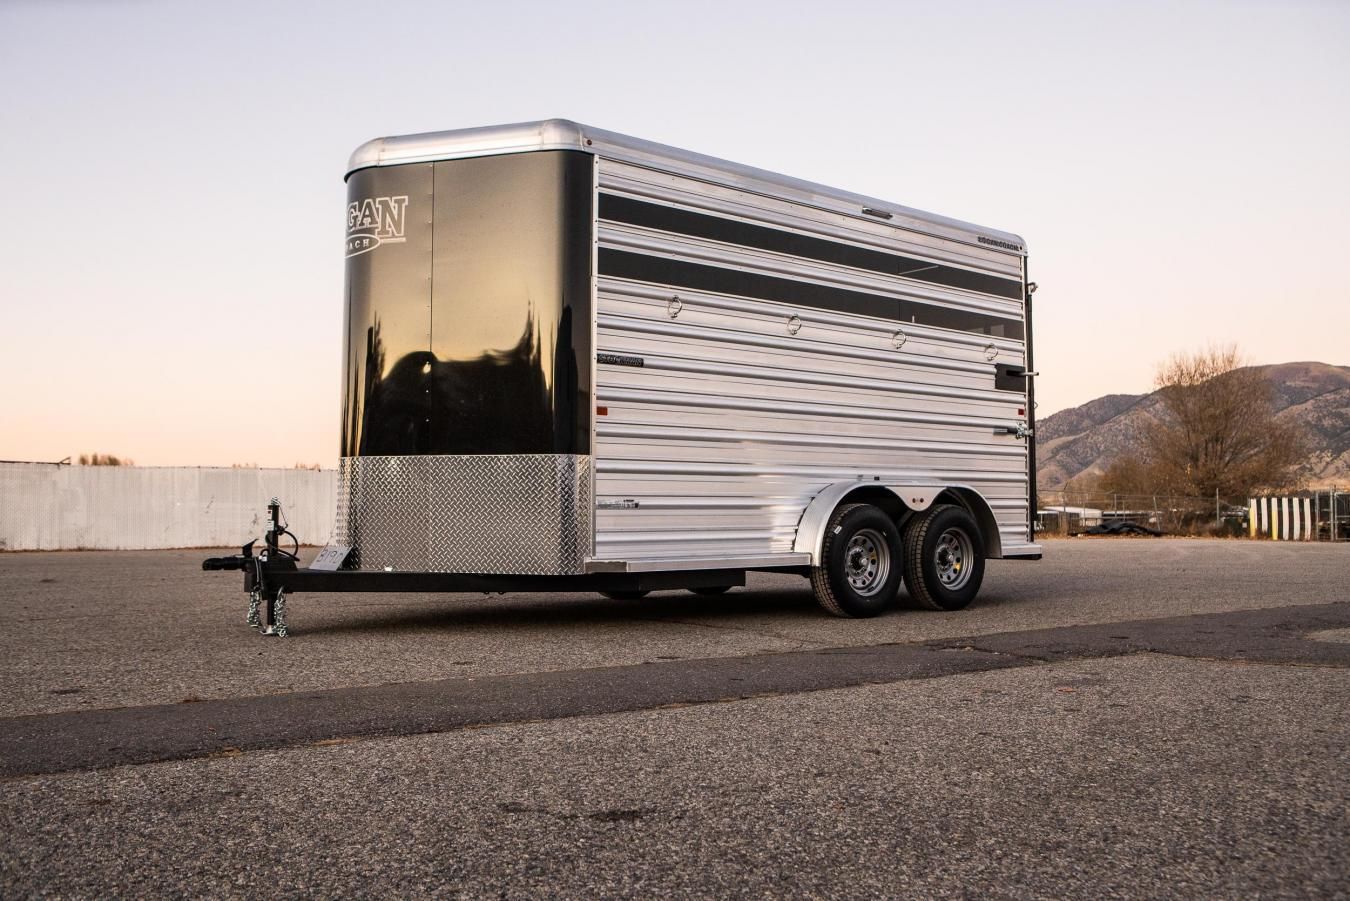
(524, 514)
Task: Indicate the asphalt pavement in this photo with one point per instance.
(1124, 718)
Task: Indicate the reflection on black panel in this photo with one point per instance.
(499, 361)
(425, 403)
(388, 288)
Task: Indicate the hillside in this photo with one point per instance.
(1087, 438)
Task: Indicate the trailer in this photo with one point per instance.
(575, 360)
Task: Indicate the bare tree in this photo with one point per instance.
(1129, 475)
(1219, 432)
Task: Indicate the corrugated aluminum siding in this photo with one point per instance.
(732, 424)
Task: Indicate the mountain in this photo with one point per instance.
(1086, 439)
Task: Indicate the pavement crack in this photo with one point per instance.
(963, 646)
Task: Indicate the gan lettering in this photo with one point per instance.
(375, 221)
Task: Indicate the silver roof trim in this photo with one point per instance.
(563, 134)
(550, 134)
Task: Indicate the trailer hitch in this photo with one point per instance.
(266, 600)
(241, 561)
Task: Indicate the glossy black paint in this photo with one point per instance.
(388, 309)
(472, 334)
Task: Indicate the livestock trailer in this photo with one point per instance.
(576, 360)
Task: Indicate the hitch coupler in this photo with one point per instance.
(266, 598)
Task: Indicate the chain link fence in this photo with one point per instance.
(1322, 515)
(1069, 512)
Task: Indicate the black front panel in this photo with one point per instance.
(388, 251)
(468, 298)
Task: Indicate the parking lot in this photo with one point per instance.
(1123, 717)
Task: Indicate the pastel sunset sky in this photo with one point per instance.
(173, 193)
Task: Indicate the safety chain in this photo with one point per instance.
(279, 619)
(255, 603)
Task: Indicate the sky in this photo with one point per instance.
(172, 176)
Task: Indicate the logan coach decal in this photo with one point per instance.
(375, 221)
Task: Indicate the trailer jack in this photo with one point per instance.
(266, 596)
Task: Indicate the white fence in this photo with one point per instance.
(46, 507)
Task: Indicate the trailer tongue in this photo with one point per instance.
(578, 361)
(273, 573)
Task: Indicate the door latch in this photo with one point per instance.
(1020, 430)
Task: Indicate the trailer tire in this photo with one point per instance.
(859, 571)
(625, 595)
(944, 558)
(712, 590)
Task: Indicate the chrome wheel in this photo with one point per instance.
(953, 557)
(867, 562)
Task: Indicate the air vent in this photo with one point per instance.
(880, 214)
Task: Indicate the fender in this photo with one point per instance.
(811, 527)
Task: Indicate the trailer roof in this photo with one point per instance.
(564, 134)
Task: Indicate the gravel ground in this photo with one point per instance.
(1062, 774)
(1140, 776)
(85, 630)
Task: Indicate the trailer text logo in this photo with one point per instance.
(375, 221)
